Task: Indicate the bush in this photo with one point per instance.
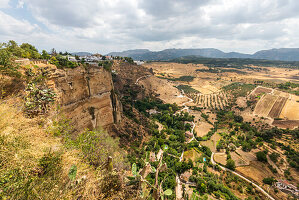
(106, 65)
(274, 156)
(269, 181)
(50, 164)
(261, 156)
(97, 145)
(38, 99)
(230, 164)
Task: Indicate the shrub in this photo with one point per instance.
(50, 164)
(97, 145)
(106, 65)
(274, 156)
(261, 156)
(230, 164)
(38, 99)
(269, 181)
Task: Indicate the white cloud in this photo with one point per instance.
(12, 26)
(20, 4)
(105, 25)
(4, 3)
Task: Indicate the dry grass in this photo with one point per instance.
(192, 154)
(23, 144)
(211, 143)
(256, 171)
(291, 109)
(202, 128)
(265, 104)
(220, 158)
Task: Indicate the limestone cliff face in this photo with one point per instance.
(87, 96)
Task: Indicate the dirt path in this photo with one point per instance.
(138, 79)
(178, 188)
(244, 178)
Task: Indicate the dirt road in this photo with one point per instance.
(244, 178)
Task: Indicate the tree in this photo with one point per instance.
(129, 60)
(5, 57)
(230, 164)
(53, 52)
(29, 51)
(45, 55)
(274, 156)
(13, 48)
(269, 180)
(238, 118)
(261, 156)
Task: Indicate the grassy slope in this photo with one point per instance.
(22, 145)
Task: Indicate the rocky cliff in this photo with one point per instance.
(86, 96)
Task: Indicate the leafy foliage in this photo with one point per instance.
(38, 99)
(187, 89)
(96, 146)
(269, 180)
(62, 62)
(261, 156)
(230, 164)
(106, 65)
(134, 169)
(72, 172)
(23, 51)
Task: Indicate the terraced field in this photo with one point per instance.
(277, 104)
(265, 104)
(216, 100)
(277, 107)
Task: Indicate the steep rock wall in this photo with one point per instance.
(87, 97)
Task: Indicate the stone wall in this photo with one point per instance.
(87, 97)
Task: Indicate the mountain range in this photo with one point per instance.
(81, 54)
(284, 54)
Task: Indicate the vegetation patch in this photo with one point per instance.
(187, 89)
(239, 89)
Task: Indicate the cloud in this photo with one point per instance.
(4, 3)
(12, 26)
(20, 4)
(105, 25)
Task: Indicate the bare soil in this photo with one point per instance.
(277, 107)
(256, 171)
(291, 124)
(202, 128)
(264, 105)
(291, 109)
(164, 88)
(220, 158)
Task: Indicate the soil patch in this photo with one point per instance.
(277, 107)
(291, 124)
(220, 158)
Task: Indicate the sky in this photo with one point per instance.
(103, 26)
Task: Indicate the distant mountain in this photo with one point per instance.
(284, 54)
(128, 53)
(81, 54)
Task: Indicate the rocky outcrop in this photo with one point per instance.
(86, 96)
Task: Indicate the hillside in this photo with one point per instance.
(235, 62)
(283, 54)
(117, 130)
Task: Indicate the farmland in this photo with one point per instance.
(235, 116)
(282, 107)
(265, 105)
(213, 101)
